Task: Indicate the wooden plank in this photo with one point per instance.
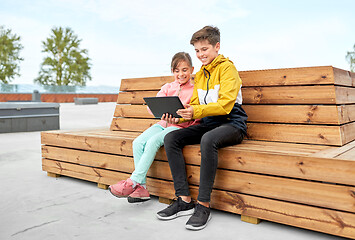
(288, 76)
(102, 186)
(290, 95)
(313, 218)
(93, 159)
(314, 134)
(250, 156)
(134, 97)
(346, 113)
(334, 152)
(342, 77)
(132, 111)
(311, 193)
(307, 114)
(132, 124)
(251, 220)
(348, 132)
(350, 154)
(323, 75)
(324, 94)
(99, 144)
(146, 83)
(54, 175)
(165, 200)
(345, 95)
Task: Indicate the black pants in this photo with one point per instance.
(211, 138)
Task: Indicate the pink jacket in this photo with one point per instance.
(184, 92)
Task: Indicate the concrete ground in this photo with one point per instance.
(35, 206)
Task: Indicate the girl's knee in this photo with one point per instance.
(137, 143)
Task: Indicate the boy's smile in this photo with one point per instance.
(206, 52)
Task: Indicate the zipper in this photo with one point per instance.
(208, 80)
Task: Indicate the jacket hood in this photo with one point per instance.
(218, 60)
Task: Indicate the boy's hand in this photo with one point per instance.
(169, 118)
(187, 112)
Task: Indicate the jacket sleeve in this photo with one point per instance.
(230, 84)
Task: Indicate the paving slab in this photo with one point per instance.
(35, 206)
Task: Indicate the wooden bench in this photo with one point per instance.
(297, 166)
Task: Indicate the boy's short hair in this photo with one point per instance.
(209, 33)
(178, 58)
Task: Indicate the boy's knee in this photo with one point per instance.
(208, 140)
(168, 138)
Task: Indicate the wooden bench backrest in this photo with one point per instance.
(301, 105)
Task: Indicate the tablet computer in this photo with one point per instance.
(161, 105)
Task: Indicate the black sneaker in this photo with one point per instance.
(200, 218)
(176, 209)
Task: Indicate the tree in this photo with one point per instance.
(10, 59)
(350, 56)
(65, 63)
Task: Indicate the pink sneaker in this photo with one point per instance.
(140, 194)
(122, 188)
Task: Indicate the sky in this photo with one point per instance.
(130, 39)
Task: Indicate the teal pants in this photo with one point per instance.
(145, 146)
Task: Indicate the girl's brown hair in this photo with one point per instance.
(179, 57)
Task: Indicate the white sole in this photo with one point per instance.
(190, 227)
(179, 214)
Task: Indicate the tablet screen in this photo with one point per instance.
(161, 105)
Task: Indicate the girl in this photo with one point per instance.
(147, 144)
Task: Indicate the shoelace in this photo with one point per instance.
(172, 203)
(198, 210)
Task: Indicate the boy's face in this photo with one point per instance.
(206, 52)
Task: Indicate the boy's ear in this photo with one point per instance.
(217, 46)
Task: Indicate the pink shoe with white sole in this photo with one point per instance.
(140, 194)
(122, 188)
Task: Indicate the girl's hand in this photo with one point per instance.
(169, 118)
(187, 112)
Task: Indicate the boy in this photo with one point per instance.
(217, 101)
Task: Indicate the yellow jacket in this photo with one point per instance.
(217, 96)
(217, 88)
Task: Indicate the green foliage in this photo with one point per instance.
(10, 48)
(65, 63)
(350, 57)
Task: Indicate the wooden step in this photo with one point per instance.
(312, 193)
(293, 133)
(324, 94)
(309, 217)
(324, 75)
(279, 159)
(305, 114)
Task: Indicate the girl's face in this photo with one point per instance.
(182, 72)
